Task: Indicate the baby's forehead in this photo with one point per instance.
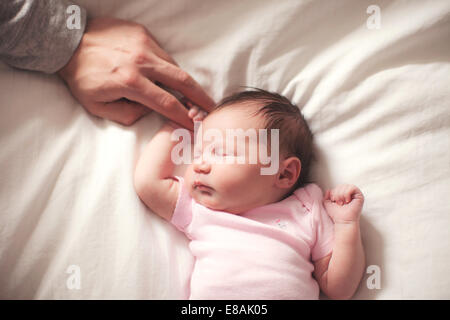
(238, 115)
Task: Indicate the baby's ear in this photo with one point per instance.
(289, 172)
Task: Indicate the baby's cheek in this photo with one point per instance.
(229, 184)
(188, 175)
(238, 179)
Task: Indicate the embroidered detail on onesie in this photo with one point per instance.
(281, 224)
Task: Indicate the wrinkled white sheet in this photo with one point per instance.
(378, 102)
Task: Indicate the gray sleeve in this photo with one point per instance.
(35, 34)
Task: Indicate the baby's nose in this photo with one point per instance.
(202, 166)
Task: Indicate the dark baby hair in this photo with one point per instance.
(295, 137)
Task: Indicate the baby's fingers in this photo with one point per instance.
(193, 111)
(334, 196)
(340, 195)
(348, 194)
(200, 116)
(353, 192)
(196, 114)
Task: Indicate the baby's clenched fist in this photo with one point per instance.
(344, 203)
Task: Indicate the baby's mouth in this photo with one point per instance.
(202, 187)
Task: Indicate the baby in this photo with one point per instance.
(254, 235)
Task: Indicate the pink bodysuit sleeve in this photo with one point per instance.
(182, 215)
(322, 225)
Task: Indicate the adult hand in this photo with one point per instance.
(113, 70)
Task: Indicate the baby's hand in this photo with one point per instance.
(344, 203)
(195, 113)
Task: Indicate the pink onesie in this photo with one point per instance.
(263, 253)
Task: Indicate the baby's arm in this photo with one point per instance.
(153, 177)
(340, 272)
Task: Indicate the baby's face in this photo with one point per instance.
(231, 187)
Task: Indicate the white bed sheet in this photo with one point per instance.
(378, 102)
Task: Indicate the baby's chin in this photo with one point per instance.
(212, 201)
(204, 198)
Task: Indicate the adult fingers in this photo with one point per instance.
(177, 79)
(122, 111)
(156, 49)
(142, 90)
